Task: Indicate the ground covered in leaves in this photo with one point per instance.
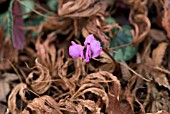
(130, 76)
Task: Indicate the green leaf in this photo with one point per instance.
(110, 20)
(2, 17)
(52, 4)
(10, 19)
(123, 37)
(28, 8)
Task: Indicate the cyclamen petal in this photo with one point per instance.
(76, 50)
(95, 48)
(88, 53)
(89, 39)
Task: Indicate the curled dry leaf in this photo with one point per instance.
(114, 105)
(96, 83)
(157, 57)
(98, 26)
(126, 75)
(4, 90)
(3, 108)
(166, 18)
(62, 70)
(90, 105)
(159, 53)
(46, 51)
(160, 100)
(138, 18)
(139, 37)
(161, 79)
(28, 54)
(63, 75)
(160, 112)
(108, 64)
(39, 79)
(104, 77)
(67, 106)
(130, 100)
(157, 35)
(81, 8)
(92, 27)
(42, 105)
(60, 25)
(5, 79)
(13, 101)
(70, 79)
(99, 92)
(79, 70)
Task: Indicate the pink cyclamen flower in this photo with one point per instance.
(95, 46)
(92, 49)
(76, 50)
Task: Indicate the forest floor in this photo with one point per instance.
(50, 65)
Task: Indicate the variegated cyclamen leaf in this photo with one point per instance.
(15, 24)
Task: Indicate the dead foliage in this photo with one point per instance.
(43, 79)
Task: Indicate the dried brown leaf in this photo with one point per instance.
(126, 75)
(166, 18)
(160, 112)
(12, 99)
(114, 105)
(42, 105)
(160, 100)
(67, 106)
(107, 63)
(96, 83)
(157, 35)
(92, 27)
(46, 51)
(81, 8)
(126, 108)
(5, 79)
(141, 30)
(4, 90)
(90, 105)
(161, 79)
(79, 70)
(39, 79)
(139, 19)
(129, 98)
(159, 53)
(104, 77)
(101, 93)
(60, 25)
(3, 109)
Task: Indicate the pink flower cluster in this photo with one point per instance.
(91, 47)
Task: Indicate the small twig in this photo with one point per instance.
(35, 10)
(57, 80)
(109, 55)
(16, 71)
(41, 98)
(22, 73)
(135, 72)
(162, 70)
(147, 48)
(121, 46)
